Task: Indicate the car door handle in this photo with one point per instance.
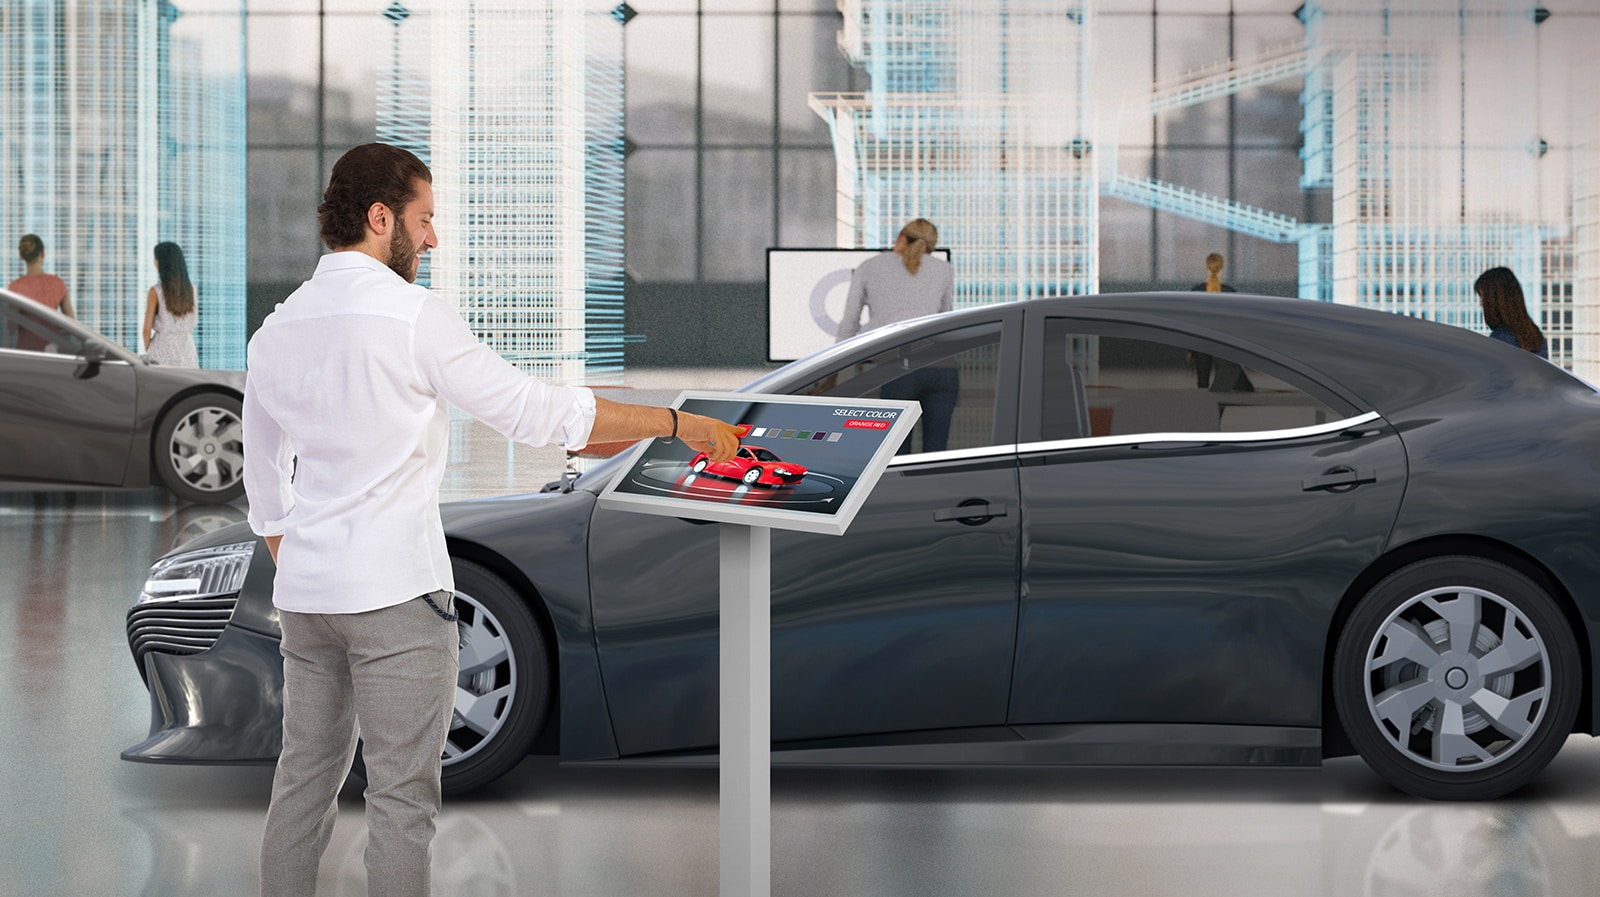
(972, 512)
(1338, 479)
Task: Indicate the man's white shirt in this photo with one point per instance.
(346, 432)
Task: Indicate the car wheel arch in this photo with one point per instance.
(548, 739)
(501, 566)
(1335, 742)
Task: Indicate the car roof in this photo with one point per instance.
(1389, 361)
(1381, 360)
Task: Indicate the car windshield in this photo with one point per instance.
(29, 326)
(824, 357)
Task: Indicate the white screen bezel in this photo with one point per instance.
(775, 518)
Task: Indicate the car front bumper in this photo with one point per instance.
(222, 705)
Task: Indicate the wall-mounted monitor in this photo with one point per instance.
(806, 291)
(804, 463)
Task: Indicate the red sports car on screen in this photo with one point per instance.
(752, 466)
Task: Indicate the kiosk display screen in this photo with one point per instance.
(804, 463)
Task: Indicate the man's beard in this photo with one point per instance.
(402, 258)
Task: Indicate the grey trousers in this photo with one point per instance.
(392, 673)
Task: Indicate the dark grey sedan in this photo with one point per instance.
(1164, 529)
(78, 411)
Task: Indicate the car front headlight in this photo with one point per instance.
(203, 573)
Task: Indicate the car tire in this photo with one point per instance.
(493, 616)
(699, 466)
(751, 476)
(198, 449)
(1466, 647)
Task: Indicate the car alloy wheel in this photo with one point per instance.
(751, 476)
(699, 465)
(1457, 678)
(505, 686)
(486, 685)
(199, 449)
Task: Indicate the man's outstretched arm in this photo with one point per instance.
(621, 422)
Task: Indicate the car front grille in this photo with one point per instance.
(178, 627)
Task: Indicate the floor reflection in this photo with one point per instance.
(565, 833)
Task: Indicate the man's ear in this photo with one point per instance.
(379, 219)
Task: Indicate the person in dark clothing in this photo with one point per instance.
(1213, 282)
(1235, 378)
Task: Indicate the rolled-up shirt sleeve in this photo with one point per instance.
(477, 380)
(268, 472)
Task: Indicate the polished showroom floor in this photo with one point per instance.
(79, 822)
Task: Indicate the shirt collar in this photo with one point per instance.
(350, 258)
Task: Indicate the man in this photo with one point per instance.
(345, 425)
(46, 289)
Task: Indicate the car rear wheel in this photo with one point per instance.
(504, 690)
(198, 451)
(1457, 678)
(699, 465)
(751, 476)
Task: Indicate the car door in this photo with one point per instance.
(1192, 514)
(62, 418)
(907, 622)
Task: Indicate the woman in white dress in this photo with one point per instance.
(170, 313)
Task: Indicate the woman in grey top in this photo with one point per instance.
(898, 285)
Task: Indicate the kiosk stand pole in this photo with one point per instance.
(745, 814)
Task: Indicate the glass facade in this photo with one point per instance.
(1258, 129)
(121, 126)
(517, 108)
(977, 118)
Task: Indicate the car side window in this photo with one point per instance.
(1136, 385)
(953, 376)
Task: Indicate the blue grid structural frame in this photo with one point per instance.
(1415, 117)
(114, 135)
(1396, 105)
(977, 120)
(202, 168)
(517, 108)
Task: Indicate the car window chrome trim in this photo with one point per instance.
(57, 356)
(986, 451)
(1249, 436)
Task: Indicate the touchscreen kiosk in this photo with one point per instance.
(804, 463)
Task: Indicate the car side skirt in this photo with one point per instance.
(1105, 744)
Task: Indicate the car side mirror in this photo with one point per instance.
(92, 354)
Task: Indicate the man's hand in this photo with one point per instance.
(272, 546)
(617, 421)
(707, 434)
